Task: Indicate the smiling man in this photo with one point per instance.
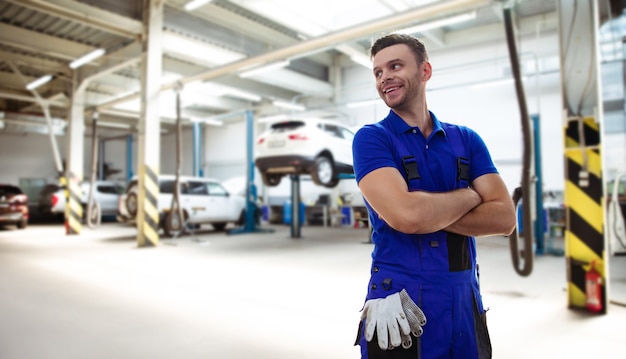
(430, 188)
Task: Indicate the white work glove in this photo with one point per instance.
(386, 317)
(414, 316)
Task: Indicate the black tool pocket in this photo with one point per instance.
(458, 253)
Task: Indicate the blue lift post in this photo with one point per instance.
(250, 225)
(197, 149)
(295, 207)
(539, 230)
(129, 157)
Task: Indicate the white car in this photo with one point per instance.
(203, 201)
(106, 193)
(319, 147)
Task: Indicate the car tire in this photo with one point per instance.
(271, 179)
(324, 173)
(131, 204)
(220, 226)
(173, 225)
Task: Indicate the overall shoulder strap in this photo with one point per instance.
(409, 162)
(462, 157)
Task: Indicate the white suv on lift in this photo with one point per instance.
(203, 201)
(321, 148)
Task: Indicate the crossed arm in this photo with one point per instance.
(482, 210)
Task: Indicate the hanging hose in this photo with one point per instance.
(522, 259)
(93, 215)
(174, 221)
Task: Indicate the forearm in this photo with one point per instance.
(487, 219)
(426, 212)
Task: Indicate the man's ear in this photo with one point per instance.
(427, 71)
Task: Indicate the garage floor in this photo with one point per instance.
(265, 295)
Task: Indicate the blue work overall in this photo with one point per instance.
(438, 270)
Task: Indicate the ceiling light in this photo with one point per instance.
(86, 58)
(263, 69)
(495, 83)
(114, 124)
(273, 118)
(355, 55)
(288, 105)
(438, 23)
(241, 94)
(207, 120)
(40, 81)
(198, 51)
(194, 4)
(364, 103)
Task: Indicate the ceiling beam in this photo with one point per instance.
(39, 43)
(87, 15)
(315, 45)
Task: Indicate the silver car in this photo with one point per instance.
(106, 193)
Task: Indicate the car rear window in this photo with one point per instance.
(9, 190)
(286, 126)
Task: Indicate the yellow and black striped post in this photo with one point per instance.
(73, 206)
(584, 204)
(148, 214)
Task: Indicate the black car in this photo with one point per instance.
(13, 206)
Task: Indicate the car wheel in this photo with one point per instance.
(271, 179)
(219, 226)
(174, 224)
(131, 204)
(323, 173)
(22, 223)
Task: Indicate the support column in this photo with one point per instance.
(149, 133)
(74, 165)
(585, 244)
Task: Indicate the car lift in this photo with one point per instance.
(250, 223)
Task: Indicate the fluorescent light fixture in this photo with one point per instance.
(263, 69)
(365, 103)
(288, 105)
(198, 51)
(438, 23)
(274, 118)
(114, 125)
(362, 60)
(40, 81)
(169, 77)
(194, 4)
(356, 55)
(208, 120)
(241, 94)
(495, 83)
(87, 58)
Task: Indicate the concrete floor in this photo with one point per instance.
(264, 295)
